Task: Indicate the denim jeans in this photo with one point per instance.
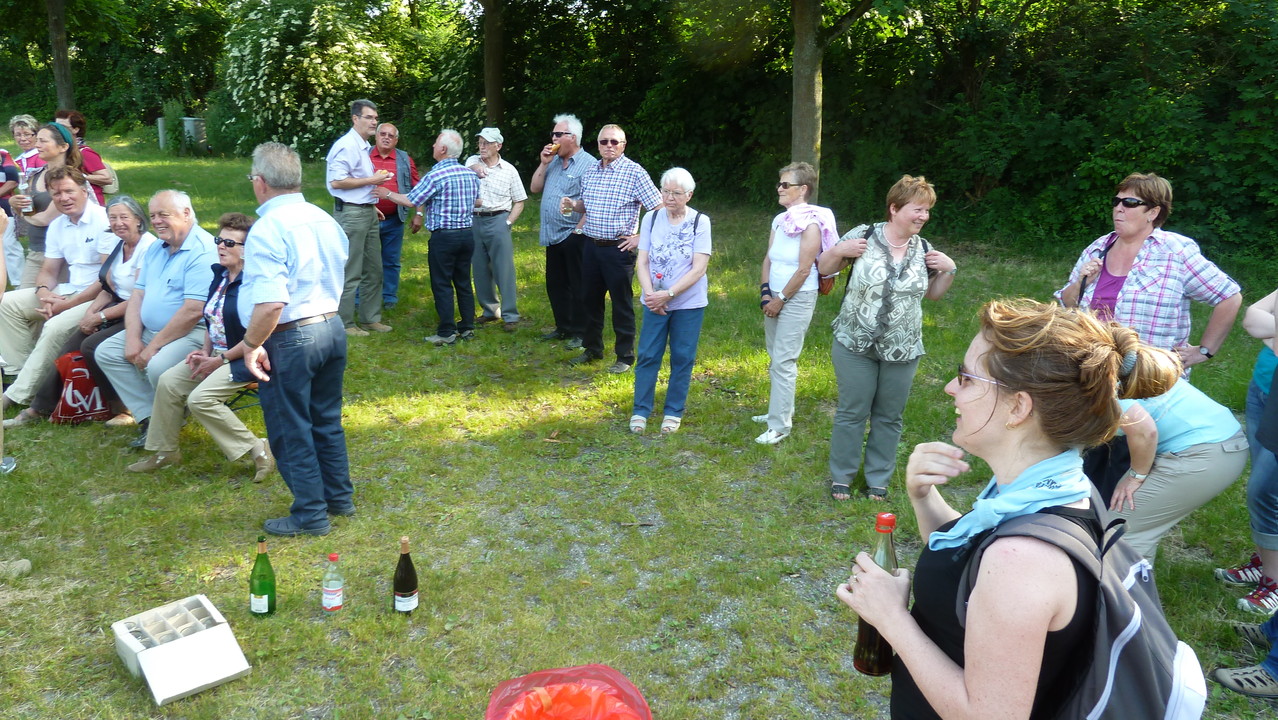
(682, 329)
(1262, 484)
(392, 233)
(449, 255)
(1270, 663)
(302, 406)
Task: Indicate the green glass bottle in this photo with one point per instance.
(262, 582)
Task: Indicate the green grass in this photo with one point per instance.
(701, 565)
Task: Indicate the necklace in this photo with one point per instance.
(894, 245)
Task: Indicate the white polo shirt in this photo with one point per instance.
(82, 245)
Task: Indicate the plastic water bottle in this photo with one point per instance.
(333, 586)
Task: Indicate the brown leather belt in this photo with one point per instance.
(302, 323)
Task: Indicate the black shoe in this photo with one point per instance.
(554, 335)
(584, 358)
(139, 442)
(343, 511)
(485, 319)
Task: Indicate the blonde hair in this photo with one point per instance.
(907, 190)
(1073, 366)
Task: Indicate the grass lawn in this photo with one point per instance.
(701, 564)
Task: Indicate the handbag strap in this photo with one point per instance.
(104, 272)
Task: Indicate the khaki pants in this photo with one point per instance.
(206, 398)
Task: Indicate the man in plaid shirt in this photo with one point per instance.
(447, 196)
(612, 193)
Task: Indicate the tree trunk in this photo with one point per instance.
(57, 10)
(494, 61)
(805, 111)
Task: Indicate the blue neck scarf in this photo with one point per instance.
(1055, 481)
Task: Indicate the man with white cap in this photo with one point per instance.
(501, 200)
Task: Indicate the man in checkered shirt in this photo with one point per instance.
(612, 193)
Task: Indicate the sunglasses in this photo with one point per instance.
(787, 185)
(219, 240)
(559, 133)
(1131, 202)
(610, 141)
(964, 376)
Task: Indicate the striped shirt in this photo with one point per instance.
(613, 196)
(448, 195)
(1168, 272)
(561, 182)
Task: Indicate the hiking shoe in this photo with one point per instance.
(573, 344)
(618, 367)
(442, 339)
(1262, 600)
(1252, 681)
(1247, 574)
(1254, 634)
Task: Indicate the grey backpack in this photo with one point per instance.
(1139, 669)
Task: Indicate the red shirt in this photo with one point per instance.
(93, 163)
(388, 164)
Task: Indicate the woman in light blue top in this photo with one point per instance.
(1185, 450)
(674, 249)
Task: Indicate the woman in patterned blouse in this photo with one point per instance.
(878, 333)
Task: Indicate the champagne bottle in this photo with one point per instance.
(262, 582)
(873, 654)
(333, 586)
(405, 583)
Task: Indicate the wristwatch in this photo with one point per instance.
(1205, 352)
(670, 292)
(225, 360)
(782, 297)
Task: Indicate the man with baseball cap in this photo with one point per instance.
(501, 200)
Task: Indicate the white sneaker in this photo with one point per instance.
(760, 418)
(442, 339)
(771, 437)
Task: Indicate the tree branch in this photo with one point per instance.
(844, 23)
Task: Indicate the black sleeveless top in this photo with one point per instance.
(1065, 654)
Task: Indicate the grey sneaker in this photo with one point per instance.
(618, 367)
(442, 339)
(1252, 681)
(467, 335)
(7, 465)
(573, 344)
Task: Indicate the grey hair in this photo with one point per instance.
(574, 125)
(132, 206)
(452, 142)
(181, 200)
(680, 177)
(278, 165)
(382, 125)
(26, 121)
(357, 107)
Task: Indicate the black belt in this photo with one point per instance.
(302, 323)
(339, 203)
(604, 243)
(489, 213)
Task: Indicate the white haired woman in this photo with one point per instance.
(674, 250)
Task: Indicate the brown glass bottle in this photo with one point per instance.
(873, 655)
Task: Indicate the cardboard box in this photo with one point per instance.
(180, 648)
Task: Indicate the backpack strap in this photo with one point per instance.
(1056, 530)
(869, 232)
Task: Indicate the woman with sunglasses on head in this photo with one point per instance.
(1038, 383)
(212, 375)
(878, 333)
(788, 290)
(1143, 276)
(105, 314)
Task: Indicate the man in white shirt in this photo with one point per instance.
(351, 179)
(80, 239)
(501, 201)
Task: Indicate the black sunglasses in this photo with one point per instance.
(219, 240)
(1131, 202)
(787, 185)
(559, 133)
(610, 141)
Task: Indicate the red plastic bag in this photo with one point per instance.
(585, 692)
(81, 399)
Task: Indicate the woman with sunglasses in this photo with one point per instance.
(878, 333)
(53, 147)
(105, 314)
(212, 375)
(1037, 384)
(788, 290)
(1144, 276)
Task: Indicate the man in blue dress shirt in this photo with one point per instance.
(295, 343)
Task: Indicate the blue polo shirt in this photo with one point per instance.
(170, 278)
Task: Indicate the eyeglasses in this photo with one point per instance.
(964, 375)
(367, 117)
(674, 193)
(611, 141)
(251, 176)
(1131, 202)
(559, 133)
(219, 240)
(787, 185)
(23, 135)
